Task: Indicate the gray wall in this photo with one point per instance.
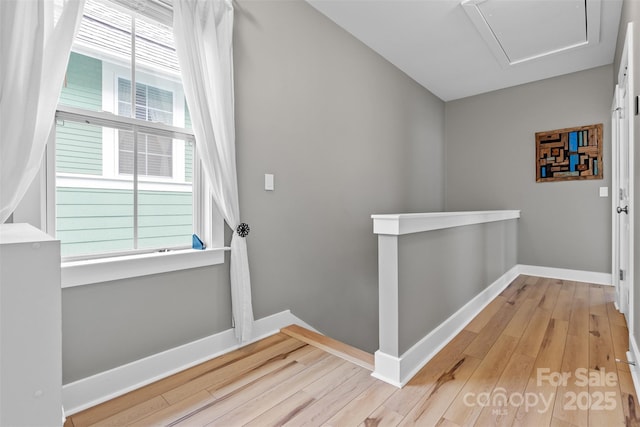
(631, 13)
(113, 323)
(490, 164)
(440, 271)
(346, 135)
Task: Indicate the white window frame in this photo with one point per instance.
(208, 223)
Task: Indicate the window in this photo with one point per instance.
(154, 155)
(154, 152)
(125, 177)
(152, 103)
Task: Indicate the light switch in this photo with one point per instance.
(604, 191)
(268, 182)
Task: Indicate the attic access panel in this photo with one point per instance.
(518, 31)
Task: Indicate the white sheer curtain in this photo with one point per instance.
(203, 36)
(35, 41)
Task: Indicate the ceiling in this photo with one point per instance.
(460, 48)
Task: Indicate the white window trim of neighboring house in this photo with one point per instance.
(118, 183)
(111, 72)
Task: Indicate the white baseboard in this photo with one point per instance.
(566, 274)
(398, 371)
(93, 390)
(387, 368)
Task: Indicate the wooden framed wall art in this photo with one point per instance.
(569, 154)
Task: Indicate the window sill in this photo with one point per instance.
(78, 273)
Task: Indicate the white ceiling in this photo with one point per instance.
(457, 51)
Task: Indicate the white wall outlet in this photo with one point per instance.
(269, 182)
(604, 191)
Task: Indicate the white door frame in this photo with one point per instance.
(625, 76)
(615, 223)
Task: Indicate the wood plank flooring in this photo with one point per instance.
(328, 344)
(541, 354)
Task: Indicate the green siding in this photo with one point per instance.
(91, 221)
(83, 83)
(79, 146)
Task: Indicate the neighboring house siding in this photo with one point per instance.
(93, 220)
(79, 149)
(78, 146)
(164, 218)
(83, 83)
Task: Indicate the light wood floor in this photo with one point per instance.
(518, 347)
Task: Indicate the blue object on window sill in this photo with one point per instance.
(197, 243)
